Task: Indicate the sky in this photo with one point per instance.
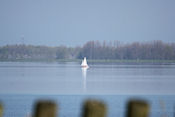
(74, 22)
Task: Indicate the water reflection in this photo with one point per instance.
(69, 78)
(84, 73)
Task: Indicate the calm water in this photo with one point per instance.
(70, 105)
(22, 83)
(69, 78)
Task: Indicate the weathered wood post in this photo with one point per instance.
(45, 109)
(137, 108)
(1, 110)
(92, 108)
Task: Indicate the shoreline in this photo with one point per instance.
(90, 60)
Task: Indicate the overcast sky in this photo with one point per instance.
(74, 22)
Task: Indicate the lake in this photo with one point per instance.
(22, 83)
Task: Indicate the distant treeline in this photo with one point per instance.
(155, 50)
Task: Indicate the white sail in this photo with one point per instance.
(84, 63)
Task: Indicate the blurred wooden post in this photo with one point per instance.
(92, 108)
(136, 108)
(45, 109)
(1, 110)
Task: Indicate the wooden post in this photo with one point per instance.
(136, 108)
(45, 109)
(1, 110)
(92, 108)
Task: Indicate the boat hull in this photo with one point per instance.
(85, 66)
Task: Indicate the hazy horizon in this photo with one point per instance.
(73, 23)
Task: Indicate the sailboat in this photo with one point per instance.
(84, 63)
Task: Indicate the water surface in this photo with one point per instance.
(23, 83)
(70, 78)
